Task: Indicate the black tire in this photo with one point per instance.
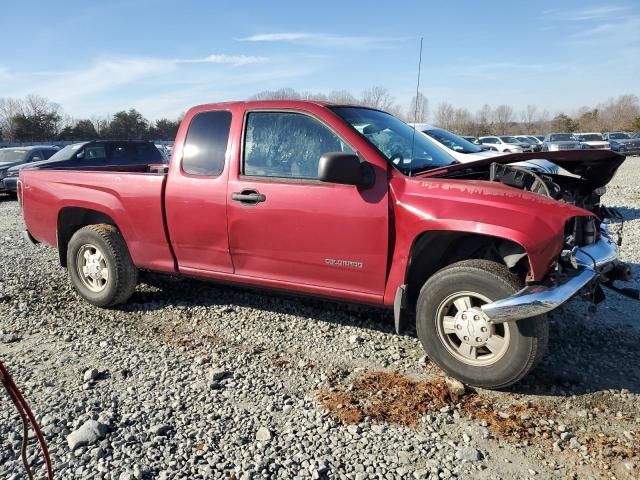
(507, 151)
(527, 339)
(123, 275)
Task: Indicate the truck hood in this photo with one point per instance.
(596, 167)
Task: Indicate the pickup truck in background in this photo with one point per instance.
(345, 202)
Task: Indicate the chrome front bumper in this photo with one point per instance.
(536, 300)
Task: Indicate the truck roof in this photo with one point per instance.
(276, 104)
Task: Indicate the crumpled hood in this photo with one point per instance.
(594, 166)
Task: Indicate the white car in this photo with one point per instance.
(504, 144)
(465, 151)
(593, 139)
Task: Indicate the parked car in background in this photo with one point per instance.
(477, 142)
(635, 135)
(13, 156)
(540, 137)
(164, 150)
(623, 143)
(505, 144)
(95, 154)
(592, 139)
(473, 255)
(555, 142)
(534, 146)
(464, 151)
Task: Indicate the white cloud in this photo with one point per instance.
(325, 40)
(587, 14)
(108, 74)
(235, 60)
(5, 74)
(597, 13)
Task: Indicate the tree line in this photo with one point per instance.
(35, 118)
(620, 113)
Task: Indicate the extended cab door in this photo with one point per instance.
(196, 196)
(288, 227)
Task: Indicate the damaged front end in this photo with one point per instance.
(581, 179)
(589, 258)
(580, 269)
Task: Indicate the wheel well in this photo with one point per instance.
(433, 251)
(72, 219)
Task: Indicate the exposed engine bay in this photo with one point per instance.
(580, 180)
(567, 189)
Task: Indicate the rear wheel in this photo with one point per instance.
(507, 151)
(100, 266)
(458, 336)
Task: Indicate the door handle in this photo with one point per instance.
(248, 196)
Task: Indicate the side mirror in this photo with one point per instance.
(346, 169)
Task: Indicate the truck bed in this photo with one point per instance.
(115, 192)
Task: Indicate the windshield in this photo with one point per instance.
(473, 140)
(9, 155)
(452, 141)
(66, 153)
(562, 137)
(408, 150)
(509, 139)
(592, 137)
(619, 136)
(525, 140)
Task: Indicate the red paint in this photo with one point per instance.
(188, 224)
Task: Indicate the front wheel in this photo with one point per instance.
(458, 336)
(100, 266)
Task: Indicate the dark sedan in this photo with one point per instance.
(94, 154)
(15, 156)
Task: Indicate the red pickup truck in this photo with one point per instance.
(349, 203)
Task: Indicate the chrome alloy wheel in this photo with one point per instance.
(466, 332)
(92, 268)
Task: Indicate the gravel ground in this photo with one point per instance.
(193, 380)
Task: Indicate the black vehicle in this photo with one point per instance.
(96, 154)
(533, 145)
(14, 156)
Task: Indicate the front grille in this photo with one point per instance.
(567, 147)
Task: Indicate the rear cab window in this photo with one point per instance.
(205, 146)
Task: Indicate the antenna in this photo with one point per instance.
(415, 114)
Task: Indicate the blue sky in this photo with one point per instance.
(165, 56)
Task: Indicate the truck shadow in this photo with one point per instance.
(191, 292)
(588, 352)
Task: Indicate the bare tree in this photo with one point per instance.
(279, 94)
(306, 95)
(342, 96)
(462, 122)
(101, 124)
(444, 115)
(502, 118)
(377, 97)
(528, 117)
(619, 113)
(9, 108)
(418, 110)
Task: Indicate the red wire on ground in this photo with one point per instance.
(27, 419)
